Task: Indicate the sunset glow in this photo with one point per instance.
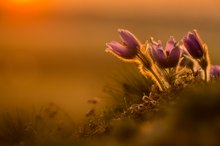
(26, 7)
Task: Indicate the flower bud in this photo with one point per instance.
(194, 44)
(168, 57)
(129, 47)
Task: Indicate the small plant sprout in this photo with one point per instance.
(199, 52)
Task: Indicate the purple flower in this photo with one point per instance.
(165, 58)
(215, 71)
(194, 44)
(129, 47)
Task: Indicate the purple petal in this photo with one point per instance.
(174, 57)
(120, 50)
(193, 45)
(115, 47)
(198, 37)
(159, 56)
(215, 71)
(195, 41)
(128, 39)
(194, 52)
(159, 46)
(153, 43)
(170, 45)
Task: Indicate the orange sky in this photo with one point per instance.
(190, 8)
(194, 8)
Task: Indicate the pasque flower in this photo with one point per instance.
(129, 47)
(168, 57)
(194, 44)
(199, 51)
(132, 50)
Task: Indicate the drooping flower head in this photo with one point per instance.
(194, 45)
(168, 57)
(129, 47)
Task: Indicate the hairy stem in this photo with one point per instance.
(157, 80)
(206, 74)
(153, 74)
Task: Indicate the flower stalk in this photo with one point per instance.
(199, 52)
(148, 69)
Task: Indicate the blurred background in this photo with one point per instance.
(53, 50)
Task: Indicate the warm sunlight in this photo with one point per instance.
(22, 1)
(24, 6)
